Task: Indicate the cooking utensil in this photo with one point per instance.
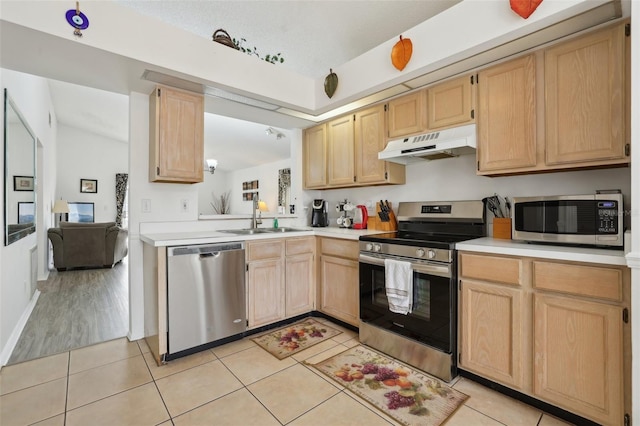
(493, 204)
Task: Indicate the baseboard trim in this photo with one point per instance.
(17, 330)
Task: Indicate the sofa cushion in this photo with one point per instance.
(85, 245)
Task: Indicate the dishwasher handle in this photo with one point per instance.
(205, 249)
(208, 255)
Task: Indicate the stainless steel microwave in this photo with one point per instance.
(594, 220)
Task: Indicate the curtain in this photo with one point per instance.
(121, 192)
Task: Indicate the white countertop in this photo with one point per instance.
(209, 237)
(544, 251)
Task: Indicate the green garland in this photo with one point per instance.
(253, 51)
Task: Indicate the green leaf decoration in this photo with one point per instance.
(330, 83)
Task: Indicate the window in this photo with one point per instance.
(80, 212)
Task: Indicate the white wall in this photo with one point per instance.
(214, 185)
(31, 95)
(456, 179)
(267, 177)
(84, 155)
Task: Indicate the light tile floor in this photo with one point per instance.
(118, 383)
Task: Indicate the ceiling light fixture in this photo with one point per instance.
(271, 131)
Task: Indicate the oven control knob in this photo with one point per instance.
(420, 252)
(376, 247)
(369, 247)
(431, 254)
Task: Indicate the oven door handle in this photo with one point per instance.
(431, 269)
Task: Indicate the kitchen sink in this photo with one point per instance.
(276, 230)
(249, 231)
(246, 231)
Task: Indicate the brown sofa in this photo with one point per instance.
(82, 245)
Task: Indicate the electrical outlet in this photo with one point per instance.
(184, 205)
(368, 204)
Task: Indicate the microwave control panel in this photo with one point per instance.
(607, 217)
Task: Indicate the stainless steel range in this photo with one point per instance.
(425, 241)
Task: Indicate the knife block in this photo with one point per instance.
(374, 222)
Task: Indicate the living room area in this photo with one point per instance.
(85, 298)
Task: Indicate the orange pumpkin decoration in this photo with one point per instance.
(401, 53)
(524, 8)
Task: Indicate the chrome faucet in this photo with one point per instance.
(255, 221)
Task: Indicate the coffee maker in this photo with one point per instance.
(319, 214)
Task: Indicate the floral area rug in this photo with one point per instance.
(294, 338)
(409, 396)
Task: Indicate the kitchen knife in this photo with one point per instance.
(387, 210)
(381, 212)
(385, 213)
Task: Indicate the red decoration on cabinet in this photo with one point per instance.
(524, 8)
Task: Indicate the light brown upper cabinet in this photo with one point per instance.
(585, 99)
(451, 103)
(561, 107)
(406, 115)
(176, 131)
(369, 140)
(507, 116)
(344, 152)
(340, 152)
(314, 152)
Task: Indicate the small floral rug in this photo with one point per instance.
(294, 338)
(409, 396)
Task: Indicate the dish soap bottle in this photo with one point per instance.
(275, 223)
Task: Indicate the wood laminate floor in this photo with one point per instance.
(76, 308)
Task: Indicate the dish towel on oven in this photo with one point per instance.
(399, 285)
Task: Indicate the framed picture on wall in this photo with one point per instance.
(26, 212)
(23, 183)
(89, 186)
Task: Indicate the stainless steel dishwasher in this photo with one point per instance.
(206, 295)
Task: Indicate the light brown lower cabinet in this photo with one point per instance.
(492, 341)
(557, 331)
(339, 285)
(299, 276)
(578, 356)
(280, 279)
(265, 282)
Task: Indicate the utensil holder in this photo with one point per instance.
(502, 228)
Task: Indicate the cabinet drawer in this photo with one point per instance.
(300, 245)
(504, 270)
(583, 280)
(265, 249)
(340, 248)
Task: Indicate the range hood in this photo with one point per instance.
(431, 146)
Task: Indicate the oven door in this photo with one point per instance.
(433, 317)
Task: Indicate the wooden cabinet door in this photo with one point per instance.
(578, 357)
(265, 290)
(340, 289)
(369, 140)
(406, 115)
(507, 116)
(299, 286)
(585, 98)
(314, 152)
(340, 152)
(177, 136)
(491, 332)
(450, 103)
